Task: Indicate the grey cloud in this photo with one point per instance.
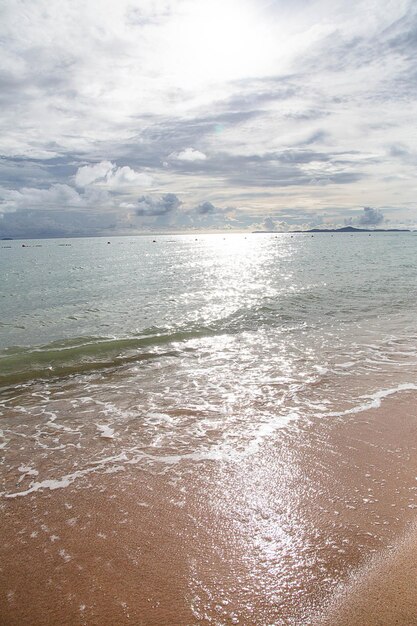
(317, 136)
(281, 168)
(164, 136)
(208, 208)
(251, 95)
(404, 154)
(205, 208)
(399, 151)
(299, 156)
(306, 115)
(52, 223)
(402, 34)
(169, 135)
(342, 53)
(157, 206)
(20, 173)
(276, 174)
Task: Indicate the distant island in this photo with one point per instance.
(344, 229)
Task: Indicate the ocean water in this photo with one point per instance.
(158, 349)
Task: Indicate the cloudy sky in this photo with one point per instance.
(152, 115)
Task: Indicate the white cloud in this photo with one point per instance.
(89, 174)
(369, 217)
(58, 197)
(107, 175)
(276, 225)
(126, 177)
(189, 154)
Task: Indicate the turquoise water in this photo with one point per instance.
(195, 346)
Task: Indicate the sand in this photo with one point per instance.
(307, 530)
(382, 593)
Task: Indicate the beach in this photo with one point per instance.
(219, 431)
(271, 539)
(208, 307)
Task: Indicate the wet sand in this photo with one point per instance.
(383, 592)
(307, 530)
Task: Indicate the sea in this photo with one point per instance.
(131, 350)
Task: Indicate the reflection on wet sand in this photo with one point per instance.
(267, 538)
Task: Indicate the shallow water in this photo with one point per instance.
(193, 347)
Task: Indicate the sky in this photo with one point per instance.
(128, 117)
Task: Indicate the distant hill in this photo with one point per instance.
(353, 229)
(344, 229)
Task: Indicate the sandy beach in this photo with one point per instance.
(307, 530)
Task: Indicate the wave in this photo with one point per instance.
(79, 355)
(135, 455)
(82, 355)
(306, 310)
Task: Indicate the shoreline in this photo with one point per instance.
(271, 538)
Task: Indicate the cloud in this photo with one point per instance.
(93, 101)
(151, 206)
(107, 175)
(89, 174)
(205, 208)
(58, 223)
(277, 226)
(369, 217)
(189, 154)
(269, 224)
(208, 208)
(56, 196)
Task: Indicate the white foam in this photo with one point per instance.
(66, 480)
(27, 471)
(226, 449)
(375, 400)
(5, 442)
(266, 429)
(105, 431)
(346, 365)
